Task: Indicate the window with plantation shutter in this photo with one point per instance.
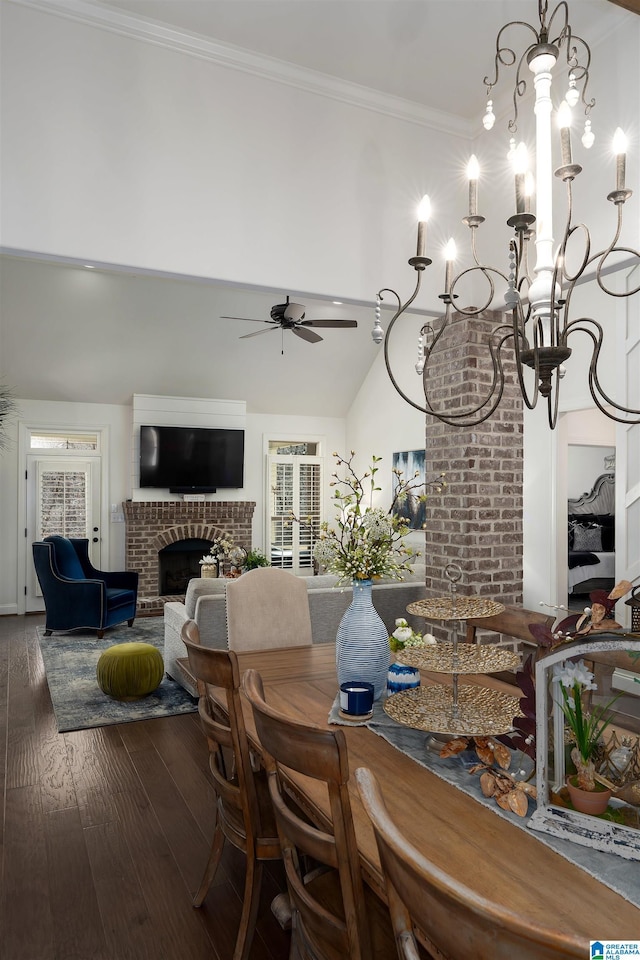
(294, 488)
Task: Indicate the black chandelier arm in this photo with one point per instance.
(615, 293)
(506, 56)
(519, 90)
(579, 70)
(519, 340)
(392, 292)
(560, 267)
(561, 8)
(599, 259)
(600, 397)
(486, 272)
(567, 38)
(464, 418)
(497, 379)
(401, 309)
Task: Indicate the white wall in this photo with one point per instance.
(124, 151)
(380, 422)
(586, 464)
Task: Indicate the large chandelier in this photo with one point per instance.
(536, 325)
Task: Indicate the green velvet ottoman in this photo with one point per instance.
(129, 671)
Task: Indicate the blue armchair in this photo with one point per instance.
(75, 593)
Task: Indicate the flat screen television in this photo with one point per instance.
(191, 459)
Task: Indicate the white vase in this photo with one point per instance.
(362, 643)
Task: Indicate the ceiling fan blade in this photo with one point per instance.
(257, 333)
(330, 323)
(294, 311)
(307, 335)
(251, 319)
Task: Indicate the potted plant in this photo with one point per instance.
(587, 727)
(255, 558)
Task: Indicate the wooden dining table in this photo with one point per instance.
(469, 841)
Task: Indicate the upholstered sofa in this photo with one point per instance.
(205, 602)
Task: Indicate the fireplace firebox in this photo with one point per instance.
(178, 563)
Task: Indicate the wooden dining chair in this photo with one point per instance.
(458, 921)
(335, 916)
(244, 815)
(267, 608)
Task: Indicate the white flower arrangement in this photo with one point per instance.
(219, 550)
(587, 726)
(403, 636)
(367, 542)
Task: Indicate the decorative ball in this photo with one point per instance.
(130, 671)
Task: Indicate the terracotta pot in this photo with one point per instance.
(588, 801)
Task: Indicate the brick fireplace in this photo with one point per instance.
(153, 525)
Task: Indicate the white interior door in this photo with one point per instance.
(63, 497)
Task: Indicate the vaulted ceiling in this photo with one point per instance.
(80, 322)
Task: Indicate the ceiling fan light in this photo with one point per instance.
(294, 311)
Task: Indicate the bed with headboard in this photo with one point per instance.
(592, 557)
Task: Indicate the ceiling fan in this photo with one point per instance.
(290, 316)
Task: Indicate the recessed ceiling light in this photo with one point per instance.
(338, 303)
(89, 266)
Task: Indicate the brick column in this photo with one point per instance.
(477, 521)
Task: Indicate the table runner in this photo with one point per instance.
(615, 872)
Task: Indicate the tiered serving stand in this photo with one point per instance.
(456, 708)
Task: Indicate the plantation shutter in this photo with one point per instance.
(294, 487)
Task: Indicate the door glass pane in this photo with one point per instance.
(60, 441)
(63, 503)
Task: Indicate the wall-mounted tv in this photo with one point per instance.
(191, 459)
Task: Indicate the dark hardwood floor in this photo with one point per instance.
(105, 834)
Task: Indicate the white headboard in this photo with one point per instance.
(600, 499)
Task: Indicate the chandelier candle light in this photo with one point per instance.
(537, 332)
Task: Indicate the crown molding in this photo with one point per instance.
(95, 14)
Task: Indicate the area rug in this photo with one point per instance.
(70, 661)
